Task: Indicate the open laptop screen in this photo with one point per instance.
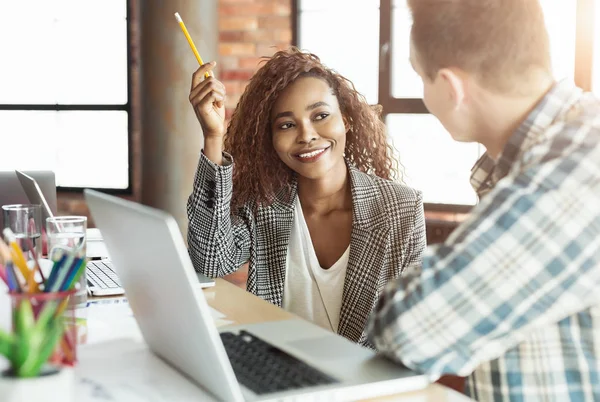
(12, 192)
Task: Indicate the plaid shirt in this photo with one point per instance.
(512, 298)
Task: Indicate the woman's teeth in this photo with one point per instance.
(313, 153)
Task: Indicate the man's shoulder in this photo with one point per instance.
(584, 113)
(569, 148)
(573, 134)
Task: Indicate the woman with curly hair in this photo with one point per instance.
(309, 202)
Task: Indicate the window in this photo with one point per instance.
(596, 38)
(373, 51)
(433, 162)
(561, 17)
(330, 29)
(64, 99)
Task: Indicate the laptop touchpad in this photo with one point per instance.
(326, 347)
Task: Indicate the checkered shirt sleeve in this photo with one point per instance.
(513, 294)
(218, 243)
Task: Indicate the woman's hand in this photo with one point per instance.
(207, 97)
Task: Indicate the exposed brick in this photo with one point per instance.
(237, 49)
(249, 30)
(243, 85)
(228, 62)
(237, 23)
(263, 9)
(269, 50)
(267, 36)
(232, 87)
(236, 75)
(231, 101)
(281, 8)
(282, 35)
(250, 62)
(231, 36)
(258, 35)
(275, 22)
(287, 3)
(239, 9)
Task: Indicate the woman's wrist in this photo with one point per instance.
(213, 149)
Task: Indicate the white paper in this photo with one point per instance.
(119, 307)
(125, 370)
(109, 319)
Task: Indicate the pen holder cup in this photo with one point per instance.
(44, 331)
(52, 384)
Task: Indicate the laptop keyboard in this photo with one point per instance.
(264, 368)
(100, 273)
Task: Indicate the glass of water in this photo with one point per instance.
(25, 221)
(67, 233)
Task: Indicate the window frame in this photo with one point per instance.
(583, 72)
(583, 61)
(127, 107)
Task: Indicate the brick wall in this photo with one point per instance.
(249, 30)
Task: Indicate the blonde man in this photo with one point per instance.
(512, 298)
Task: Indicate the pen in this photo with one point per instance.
(190, 41)
(63, 269)
(11, 277)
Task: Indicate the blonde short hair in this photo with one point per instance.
(501, 42)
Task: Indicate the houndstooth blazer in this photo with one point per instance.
(388, 234)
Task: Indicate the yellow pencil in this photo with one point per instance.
(19, 260)
(5, 256)
(190, 41)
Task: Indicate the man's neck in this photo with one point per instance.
(502, 116)
(330, 193)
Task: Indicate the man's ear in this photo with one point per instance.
(454, 85)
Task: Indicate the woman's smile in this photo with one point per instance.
(311, 155)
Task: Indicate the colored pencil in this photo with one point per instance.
(190, 41)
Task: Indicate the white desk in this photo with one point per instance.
(116, 365)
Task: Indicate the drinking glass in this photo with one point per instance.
(68, 233)
(25, 221)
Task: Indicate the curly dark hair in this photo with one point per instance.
(259, 173)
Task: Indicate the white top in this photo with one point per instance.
(310, 291)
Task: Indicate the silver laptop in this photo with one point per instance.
(266, 361)
(12, 191)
